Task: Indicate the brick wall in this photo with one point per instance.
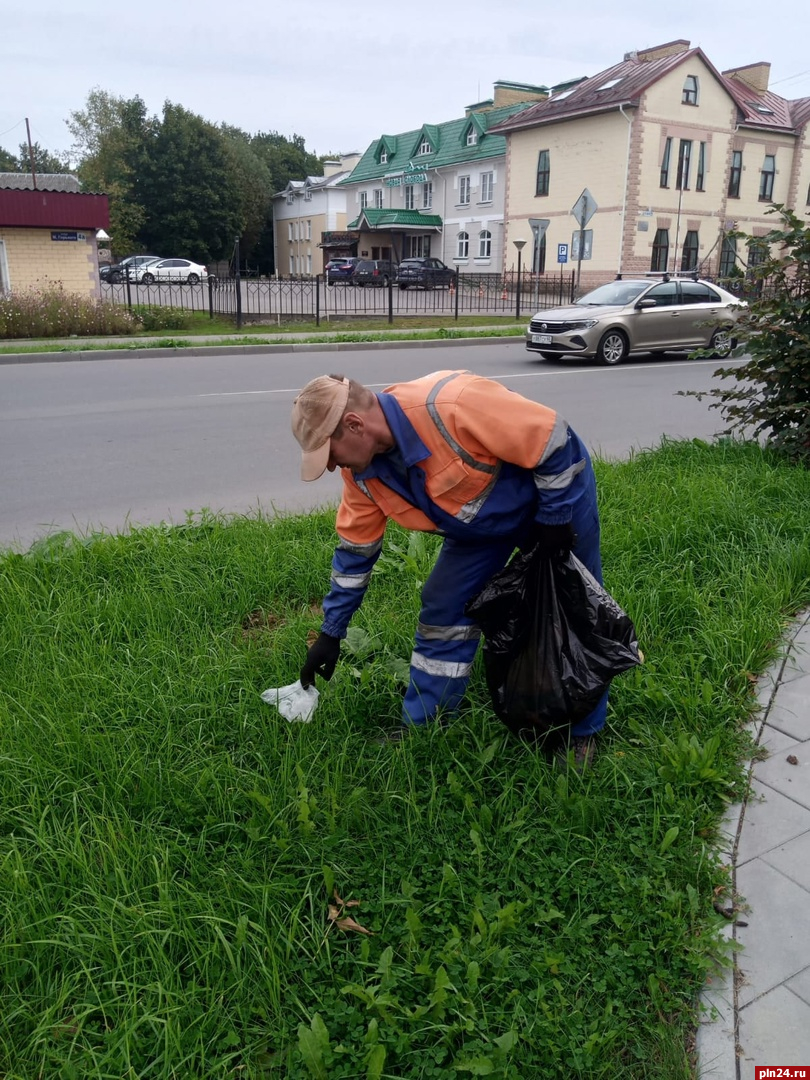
(33, 258)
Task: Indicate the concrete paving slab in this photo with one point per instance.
(800, 985)
(791, 780)
(774, 1030)
(793, 860)
(776, 942)
(771, 820)
(790, 711)
(716, 1037)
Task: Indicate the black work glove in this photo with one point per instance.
(322, 656)
(554, 541)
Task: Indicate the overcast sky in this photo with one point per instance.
(342, 74)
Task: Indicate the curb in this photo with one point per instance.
(247, 350)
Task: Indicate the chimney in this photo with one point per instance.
(512, 93)
(754, 75)
(658, 52)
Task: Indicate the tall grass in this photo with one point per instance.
(169, 846)
(50, 310)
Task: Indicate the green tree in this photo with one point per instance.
(110, 136)
(193, 206)
(771, 395)
(44, 160)
(253, 179)
(8, 163)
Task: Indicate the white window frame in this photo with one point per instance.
(427, 195)
(289, 232)
(408, 199)
(472, 136)
(425, 147)
(464, 189)
(378, 198)
(487, 186)
(383, 157)
(363, 200)
(5, 284)
(463, 245)
(309, 229)
(485, 244)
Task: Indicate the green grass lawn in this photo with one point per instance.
(170, 846)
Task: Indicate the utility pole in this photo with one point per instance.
(31, 154)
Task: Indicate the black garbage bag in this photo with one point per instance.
(554, 639)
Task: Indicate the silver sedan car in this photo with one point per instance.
(632, 315)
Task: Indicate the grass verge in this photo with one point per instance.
(169, 846)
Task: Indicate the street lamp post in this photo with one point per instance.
(519, 244)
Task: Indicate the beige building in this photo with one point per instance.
(670, 154)
(303, 212)
(48, 233)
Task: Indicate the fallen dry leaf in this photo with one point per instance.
(792, 759)
(344, 922)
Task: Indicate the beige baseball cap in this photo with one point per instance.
(316, 414)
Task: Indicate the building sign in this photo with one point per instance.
(397, 179)
(68, 236)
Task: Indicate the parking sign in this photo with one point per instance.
(562, 253)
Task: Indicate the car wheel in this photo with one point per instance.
(193, 279)
(721, 344)
(115, 279)
(147, 279)
(385, 282)
(403, 286)
(612, 348)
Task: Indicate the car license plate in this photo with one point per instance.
(541, 339)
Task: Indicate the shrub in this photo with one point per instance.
(771, 396)
(162, 318)
(49, 310)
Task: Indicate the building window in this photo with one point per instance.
(308, 195)
(735, 175)
(691, 244)
(290, 231)
(463, 191)
(665, 163)
(684, 162)
(425, 147)
(363, 200)
(487, 184)
(690, 90)
(728, 256)
(543, 173)
(409, 196)
(427, 195)
(383, 157)
(807, 201)
(309, 229)
(539, 260)
(290, 198)
(485, 244)
(766, 178)
(378, 198)
(463, 245)
(418, 247)
(292, 265)
(472, 137)
(660, 251)
(757, 252)
(700, 179)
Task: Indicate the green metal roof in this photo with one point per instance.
(448, 141)
(386, 219)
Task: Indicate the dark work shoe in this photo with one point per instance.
(579, 753)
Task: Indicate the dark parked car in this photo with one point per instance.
(424, 273)
(341, 270)
(374, 272)
(114, 274)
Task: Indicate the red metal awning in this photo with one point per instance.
(53, 209)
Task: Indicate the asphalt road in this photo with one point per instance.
(103, 444)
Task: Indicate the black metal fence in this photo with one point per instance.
(306, 299)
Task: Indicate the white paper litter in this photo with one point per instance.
(294, 702)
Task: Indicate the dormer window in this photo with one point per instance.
(425, 147)
(383, 157)
(472, 136)
(690, 90)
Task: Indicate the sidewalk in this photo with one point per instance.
(763, 1005)
(31, 351)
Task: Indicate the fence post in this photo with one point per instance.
(129, 290)
(390, 301)
(317, 300)
(210, 296)
(455, 300)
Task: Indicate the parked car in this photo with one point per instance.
(340, 270)
(114, 274)
(176, 270)
(633, 315)
(374, 272)
(424, 273)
